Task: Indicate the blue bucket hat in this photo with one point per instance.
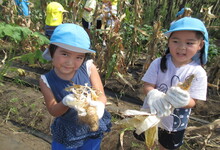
(70, 36)
(191, 24)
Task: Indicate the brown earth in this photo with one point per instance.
(25, 122)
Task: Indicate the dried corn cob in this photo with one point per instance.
(187, 83)
(83, 95)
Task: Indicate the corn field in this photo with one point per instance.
(137, 34)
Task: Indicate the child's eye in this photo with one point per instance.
(80, 58)
(189, 43)
(64, 54)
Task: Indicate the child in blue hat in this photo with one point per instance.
(68, 50)
(186, 54)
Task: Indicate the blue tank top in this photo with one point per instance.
(67, 129)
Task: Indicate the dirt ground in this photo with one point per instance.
(13, 137)
(25, 122)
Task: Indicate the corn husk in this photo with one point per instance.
(151, 136)
(83, 95)
(142, 122)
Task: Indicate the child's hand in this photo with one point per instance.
(100, 107)
(69, 101)
(177, 97)
(158, 105)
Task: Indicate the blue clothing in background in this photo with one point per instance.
(23, 8)
(67, 129)
(49, 30)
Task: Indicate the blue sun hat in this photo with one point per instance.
(71, 37)
(191, 24)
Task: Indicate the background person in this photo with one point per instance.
(87, 16)
(54, 17)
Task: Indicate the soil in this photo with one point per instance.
(25, 122)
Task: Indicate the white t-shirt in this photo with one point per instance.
(88, 16)
(173, 75)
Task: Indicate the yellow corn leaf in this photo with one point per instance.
(151, 136)
(21, 72)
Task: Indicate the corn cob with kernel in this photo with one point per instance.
(187, 83)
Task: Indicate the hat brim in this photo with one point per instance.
(65, 11)
(46, 54)
(168, 33)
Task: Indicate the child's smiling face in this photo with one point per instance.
(66, 62)
(183, 46)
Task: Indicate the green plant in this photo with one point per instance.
(19, 81)
(13, 100)
(136, 145)
(33, 106)
(214, 50)
(13, 33)
(32, 58)
(14, 110)
(115, 118)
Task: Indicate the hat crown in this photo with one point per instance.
(55, 7)
(188, 23)
(72, 35)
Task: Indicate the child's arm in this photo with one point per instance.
(88, 9)
(97, 84)
(54, 108)
(148, 87)
(191, 104)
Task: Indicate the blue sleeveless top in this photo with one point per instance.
(67, 129)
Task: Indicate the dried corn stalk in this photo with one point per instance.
(83, 95)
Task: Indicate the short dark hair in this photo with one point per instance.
(52, 49)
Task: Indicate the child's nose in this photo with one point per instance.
(70, 61)
(182, 46)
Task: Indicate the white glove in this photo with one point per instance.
(177, 97)
(69, 101)
(100, 107)
(158, 105)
